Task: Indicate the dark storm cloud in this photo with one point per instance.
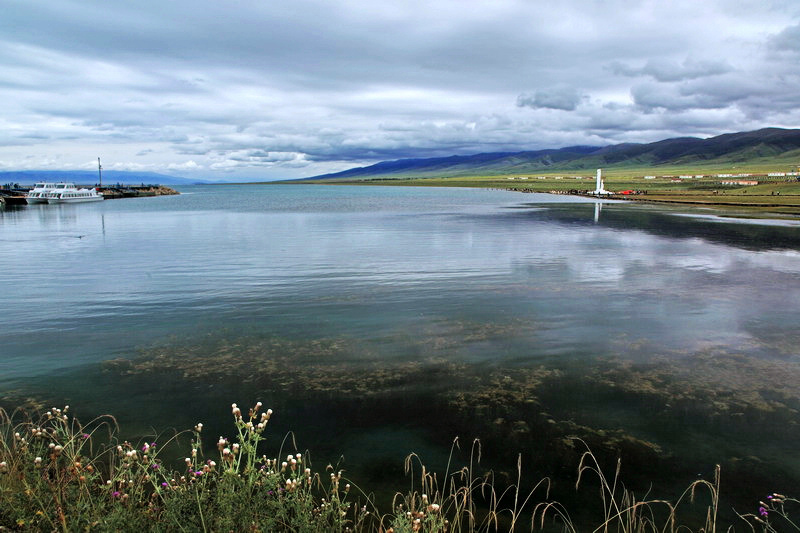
(672, 71)
(787, 40)
(563, 97)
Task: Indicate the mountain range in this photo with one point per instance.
(89, 177)
(766, 146)
(774, 147)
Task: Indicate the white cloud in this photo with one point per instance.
(276, 90)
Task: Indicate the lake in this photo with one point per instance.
(379, 321)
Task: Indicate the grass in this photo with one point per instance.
(773, 194)
(57, 474)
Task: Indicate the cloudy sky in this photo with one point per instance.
(270, 89)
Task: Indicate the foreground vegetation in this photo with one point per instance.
(58, 474)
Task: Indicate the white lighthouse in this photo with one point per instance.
(599, 189)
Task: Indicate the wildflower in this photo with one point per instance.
(3, 467)
(85, 435)
(154, 466)
(37, 461)
(763, 511)
(164, 484)
(115, 494)
(198, 473)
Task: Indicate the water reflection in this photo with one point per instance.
(750, 234)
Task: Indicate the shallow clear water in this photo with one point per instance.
(215, 292)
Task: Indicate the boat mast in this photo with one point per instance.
(100, 171)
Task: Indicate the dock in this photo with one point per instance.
(12, 195)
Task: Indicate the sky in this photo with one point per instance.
(272, 89)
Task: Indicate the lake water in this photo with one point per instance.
(378, 321)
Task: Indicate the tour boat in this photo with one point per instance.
(64, 193)
(37, 195)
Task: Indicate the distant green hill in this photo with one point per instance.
(769, 145)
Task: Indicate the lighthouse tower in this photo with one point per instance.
(599, 189)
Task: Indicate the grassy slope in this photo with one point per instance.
(778, 195)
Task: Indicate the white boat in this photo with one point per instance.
(67, 193)
(37, 194)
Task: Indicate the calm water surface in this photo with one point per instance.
(379, 321)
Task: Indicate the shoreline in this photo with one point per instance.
(789, 204)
